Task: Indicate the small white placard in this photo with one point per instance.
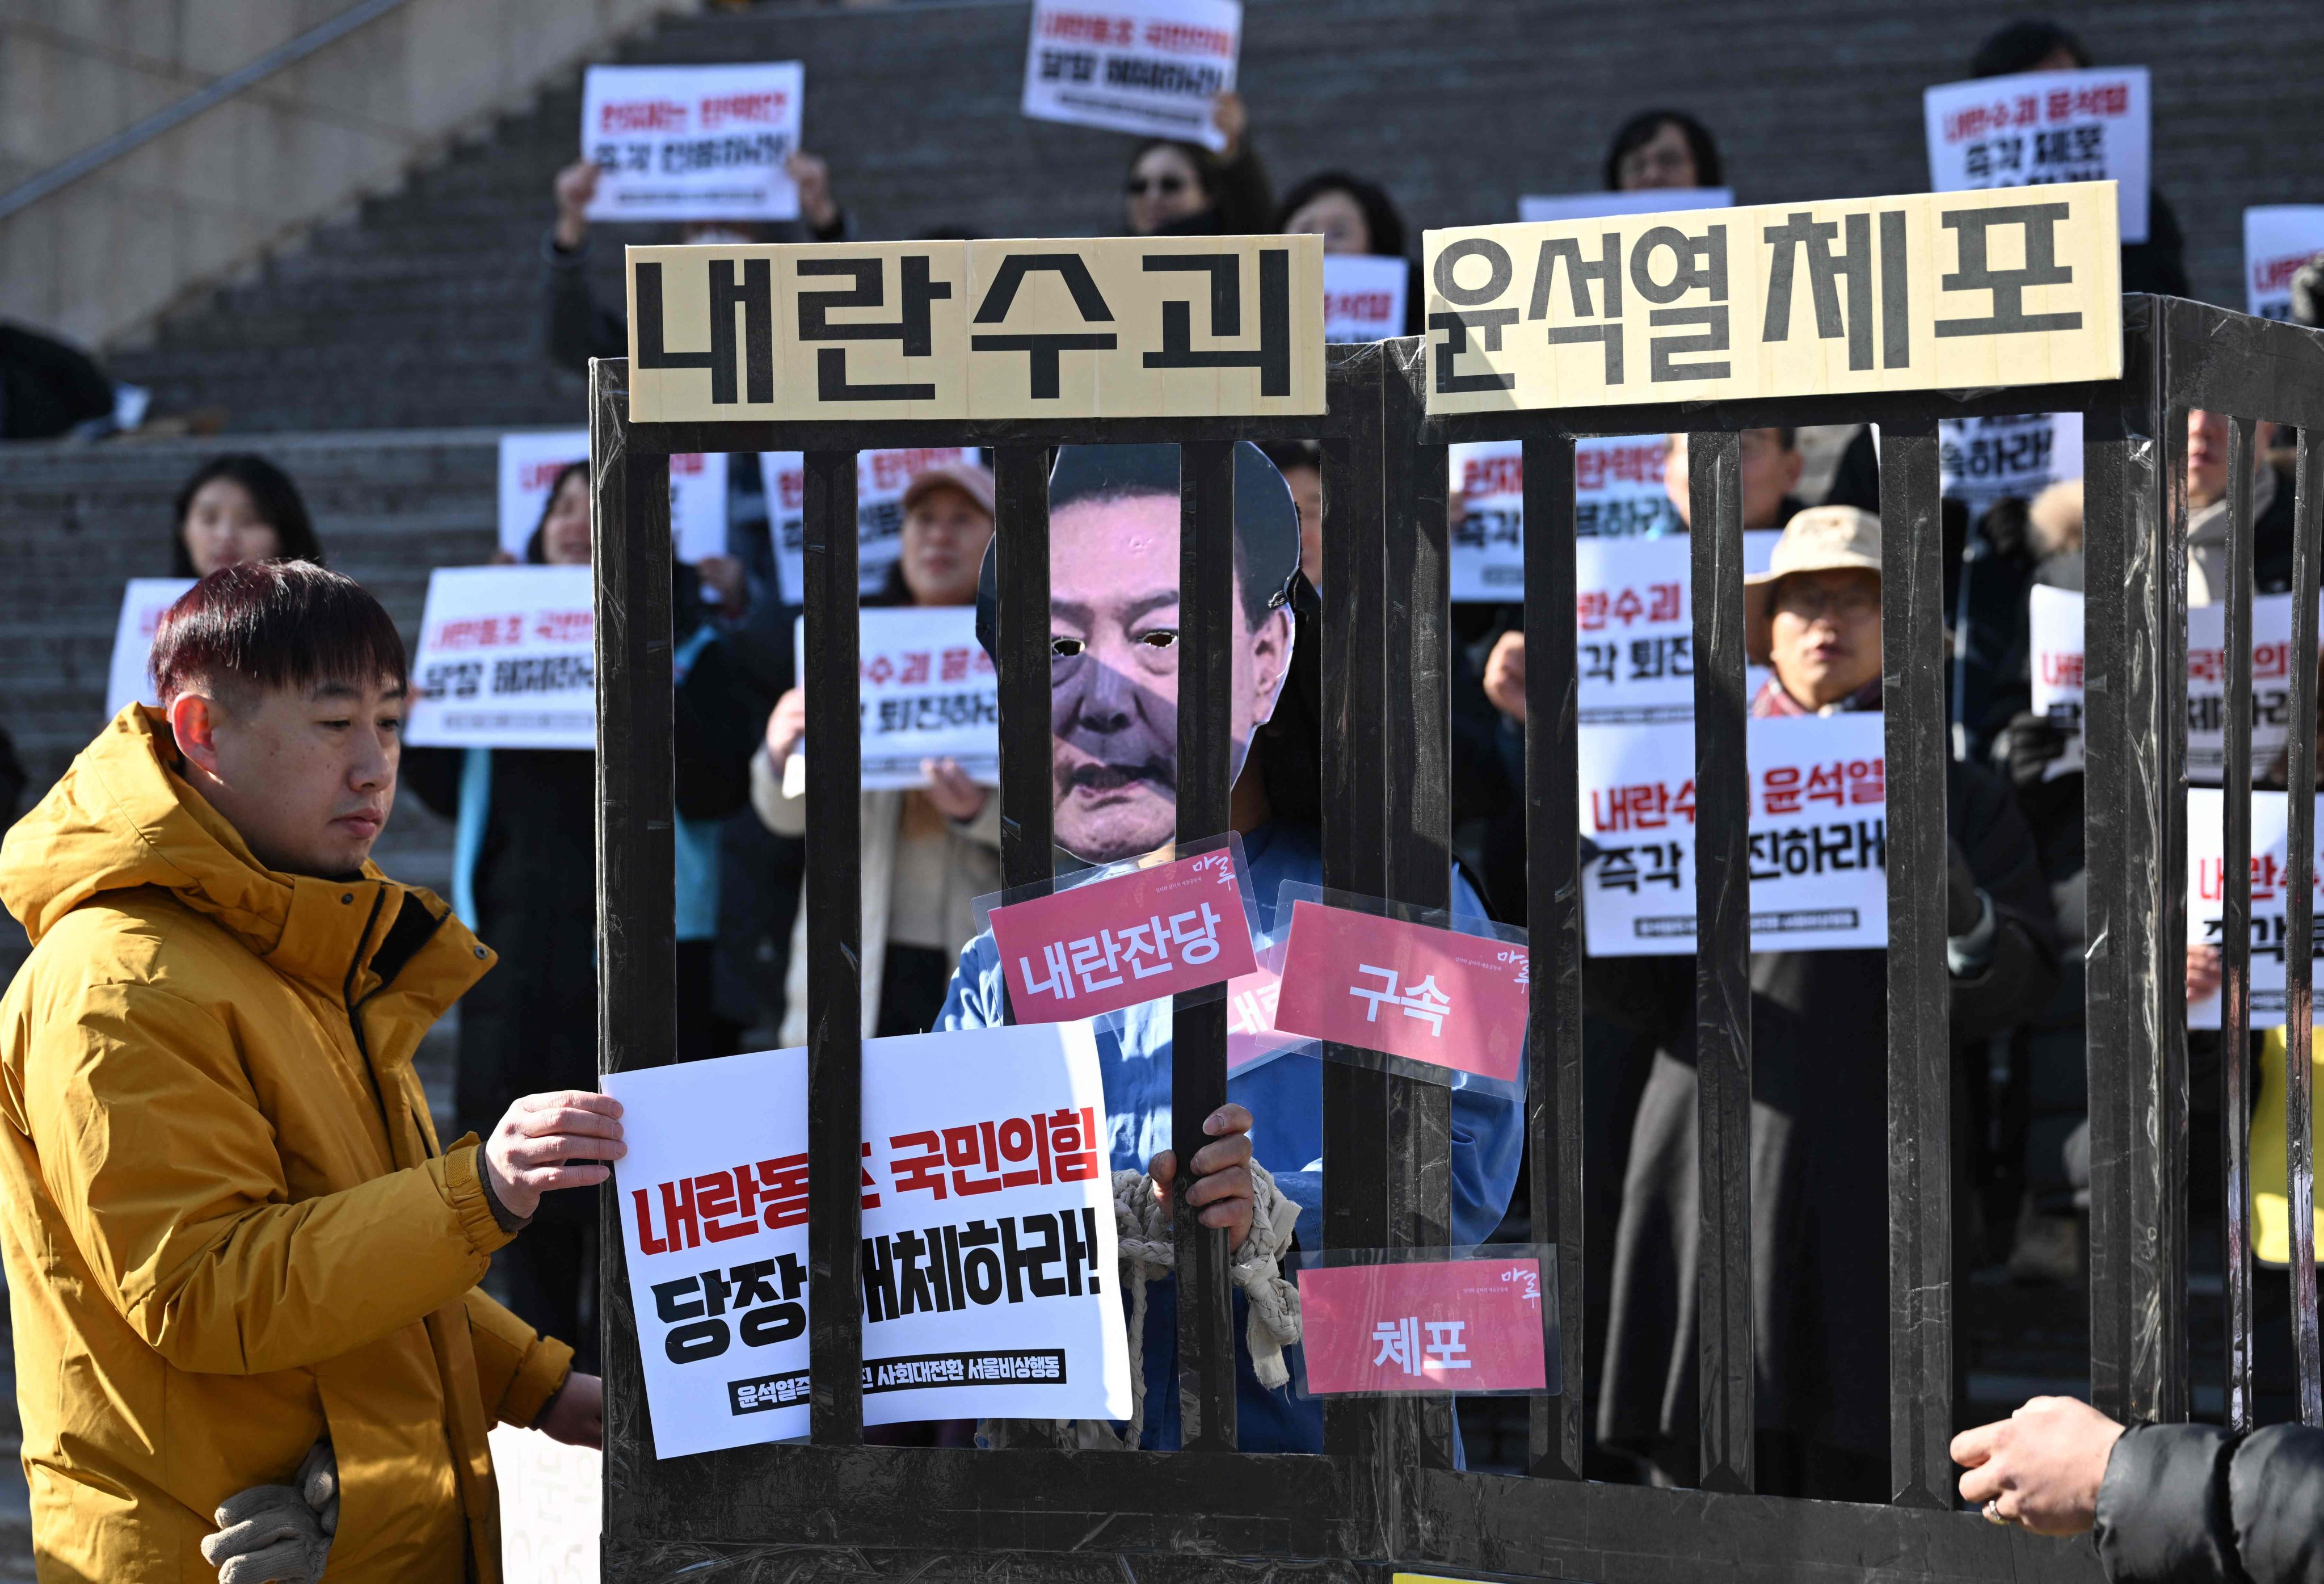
(881, 479)
(552, 1507)
(143, 602)
(1980, 460)
(693, 143)
(531, 462)
(928, 691)
(1819, 835)
(507, 659)
(2278, 239)
(1650, 200)
(1363, 297)
(2044, 126)
(2270, 880)
(1137, 66)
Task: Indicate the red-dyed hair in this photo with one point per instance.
(269, 625)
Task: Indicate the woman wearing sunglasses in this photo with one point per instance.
(1183, 190)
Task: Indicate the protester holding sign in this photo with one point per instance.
(1819, 1073)
(524, 877)
(235, 508)
(927, 853)
(1114, 588)
(237, 1250)
(1178, 189)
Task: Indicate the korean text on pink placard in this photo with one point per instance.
(1410, 990)
(1116, 942)
(1472, 1325)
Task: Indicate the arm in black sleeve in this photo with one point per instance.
(575, 327)
(717, 733)
(2190, 1502)
(1246, 198)
(2022, 973)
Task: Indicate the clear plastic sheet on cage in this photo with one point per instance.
(1479, 1321)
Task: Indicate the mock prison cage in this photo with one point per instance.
(1384, 1496)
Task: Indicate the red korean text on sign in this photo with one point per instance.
(1411, 990)
(1472, 1325)
(1116, 942)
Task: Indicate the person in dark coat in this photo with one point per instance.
(2190, 1504)
(525, 880)
(1178, 189)
(1820, 1116)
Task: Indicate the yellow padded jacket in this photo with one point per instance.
(228, 1226)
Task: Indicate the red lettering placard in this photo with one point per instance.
(1460, 1325)
(1115, 942)
(1411, 990)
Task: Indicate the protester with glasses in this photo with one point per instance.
(1183, 190)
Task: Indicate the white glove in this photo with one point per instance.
(279, 1533)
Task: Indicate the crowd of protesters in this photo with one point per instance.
(196, 888)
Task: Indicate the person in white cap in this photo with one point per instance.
(1819, 1166)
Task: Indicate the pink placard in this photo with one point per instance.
(1411, 990)
(1463, 1325)
(1114, 943)
(1252, 1035)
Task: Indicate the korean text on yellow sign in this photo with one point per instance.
(1113, 328)
(1929, 291)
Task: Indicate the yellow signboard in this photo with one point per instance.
(1111, 328)
(1928, 292)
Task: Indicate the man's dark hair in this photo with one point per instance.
(1266, 528)
(271, 491)
(536, 552)
(1380, 216)
(1640, 128)
(263, 625)
(2024, 45)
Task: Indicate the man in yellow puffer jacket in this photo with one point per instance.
(229, 1230)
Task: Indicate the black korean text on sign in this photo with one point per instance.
(760, 1303)
(1932, 290)
(1108, 327)
(1012, 1259)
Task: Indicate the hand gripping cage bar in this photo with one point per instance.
(1384, 1496)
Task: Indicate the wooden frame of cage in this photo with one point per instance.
(1384, 1493)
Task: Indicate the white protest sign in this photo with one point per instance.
(928, 691)
(2057, 645)
(531, 461)
(2044, 126)
(2278, 239)
(1634, 629)
(693, 143)
(144, 603)
(1818, 826)
(990, 1282)
(2271, 879)
(1981, 460)
(989, 1253)
(1137, 66)
(1651, 201)
(1363, 297)
(506, 660)
(881, 479)
(713, 1202)
(552, 1507)
(2055, 641)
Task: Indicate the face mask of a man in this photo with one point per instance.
(1115, 637)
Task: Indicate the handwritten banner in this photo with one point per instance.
(1436, 1326)
(507, 659)
(1819, 835)
(1133, 937)
(1933, 291)
(693, 143)
(1110, 328)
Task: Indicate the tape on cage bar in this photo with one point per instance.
(1178, 920)
(1418, 992)
(1477, 1320)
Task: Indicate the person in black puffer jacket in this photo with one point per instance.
(2188, 1502)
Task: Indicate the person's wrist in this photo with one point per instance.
(504, 1216)
(502, 1192)
(572, 230)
